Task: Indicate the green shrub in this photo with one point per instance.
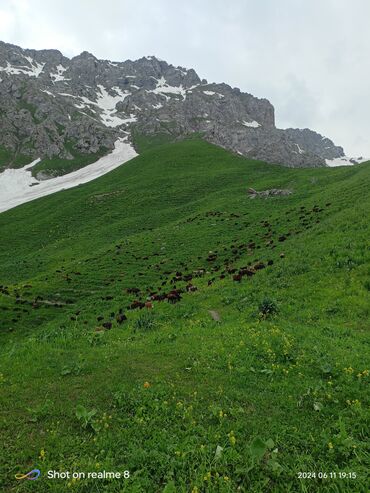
(145, 323)
(267, 308)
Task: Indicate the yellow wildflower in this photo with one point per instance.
(364, 373)
(207, 477)
(232, 438)
(355, 403)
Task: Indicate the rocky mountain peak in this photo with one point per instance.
(53, 106)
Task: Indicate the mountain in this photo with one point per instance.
(255, 367)
(70, 112)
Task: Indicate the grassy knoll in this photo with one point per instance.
(238, 385)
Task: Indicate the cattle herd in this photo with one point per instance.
(218, 264)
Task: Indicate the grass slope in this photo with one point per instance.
(10, 160)
(186, 403)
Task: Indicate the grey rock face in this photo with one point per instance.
(273, 192)
(315, 143)
(50, 104)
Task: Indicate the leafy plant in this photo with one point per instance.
(144, 323)
(39, 412)
(260, 449)
(267, 307)
(85, 417)
(311, 399)
(72, 369)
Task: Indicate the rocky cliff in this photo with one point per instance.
(55, 107)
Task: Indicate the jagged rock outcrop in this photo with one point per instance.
(314, 143)
(273, 192)
(50, 104)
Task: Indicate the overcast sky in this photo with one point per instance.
(310, 58)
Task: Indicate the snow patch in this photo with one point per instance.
(17, 186)
(106, 103)
(301, 151)
(345, 161)
(132, 118)
(252, 124)
(36, 67)
(68, 95)
(212, 93)
(58, 76)
(48, 92)
(183, 71)
(34, 70)
(164, 88)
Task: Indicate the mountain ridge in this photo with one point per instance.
(54, 107)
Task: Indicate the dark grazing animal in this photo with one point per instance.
(120, 318)
(173, 296)
(132, 290)
(237, 277)
(190, 288)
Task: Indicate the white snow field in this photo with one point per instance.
(345, 161)
(17, 186)
(33, 69)
(58, 76)
(106, 103)
(164, 88)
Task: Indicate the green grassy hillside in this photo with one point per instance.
(12, 160)
(249, 363)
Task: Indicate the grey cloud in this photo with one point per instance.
(311, 59)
